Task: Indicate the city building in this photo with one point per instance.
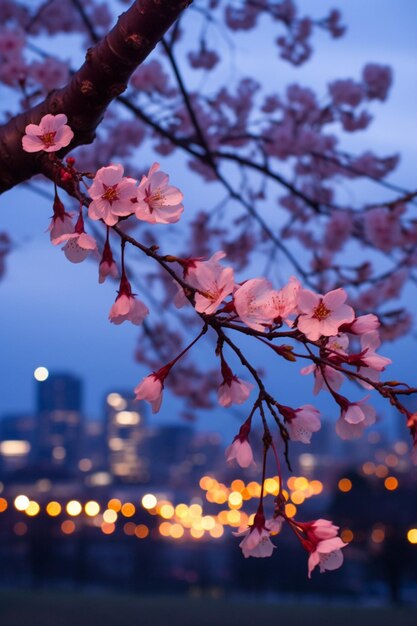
(17, 439)
(127, 438)
(59, 422)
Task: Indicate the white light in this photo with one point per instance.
(21, 502)
(14, 448)
(149, 501)
(128, 418)
(116, 401)
(59, 453)
(307, 460)
(41, 374)
(99, 479)
(116, 444)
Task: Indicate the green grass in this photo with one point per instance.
(71, 609)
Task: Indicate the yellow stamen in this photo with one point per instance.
(110, 193)
(321, 311)
(155, 199)
(48, 139)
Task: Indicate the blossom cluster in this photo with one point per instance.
(113, 196)
(339, 343)
(319, 538)
(321, 319)
(295, 126)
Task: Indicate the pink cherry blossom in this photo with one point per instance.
(157, 201)
(233, 390)
(209, 277)
(302, 422)
(152, 386)
(337, 346)
(327, 555)
(107, 265)
(213, 282)
(151, 77)
(257, 541)
(79, 246)
(362, 324)
(338, 230)
(354, 412)
(284, 302)
(13, 71)
(252, 302)
(59, 226)
(126, 306)
(274, 524)
(346, 91)
(240, 449)
(324, 529)
(107, 269)
(203, 58)
(370, 359)
(377, 79)
(333, 23)
(50, 135)
(78, 243)
(383, 228)
(150, 389)
(112, 195)
(354, 429)
(50, 73)
(334, 378)
(61, 221)
(321, 316)
(323, 544)
(12, 42)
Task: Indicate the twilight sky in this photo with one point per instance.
(54, 313)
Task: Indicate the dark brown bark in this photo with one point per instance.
(103, 76)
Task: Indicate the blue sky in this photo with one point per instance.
(54, 313)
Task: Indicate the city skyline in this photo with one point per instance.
(123, 486)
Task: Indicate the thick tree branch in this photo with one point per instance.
(103, 77)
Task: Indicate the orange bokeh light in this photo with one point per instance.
(141, 531)
(67, 527)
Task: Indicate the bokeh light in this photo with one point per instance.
(344, 485)
(53, 508)
(32, 508)
(128, 509)
(21, 502)
(109, 516)
(92, 508)
(141, 531)
(40, 374)
(391, 483)
(149, 501)
(74, 508)
(68, 527)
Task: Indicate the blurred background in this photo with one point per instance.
(119, 503)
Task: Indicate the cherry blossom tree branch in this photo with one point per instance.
(103, 77)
